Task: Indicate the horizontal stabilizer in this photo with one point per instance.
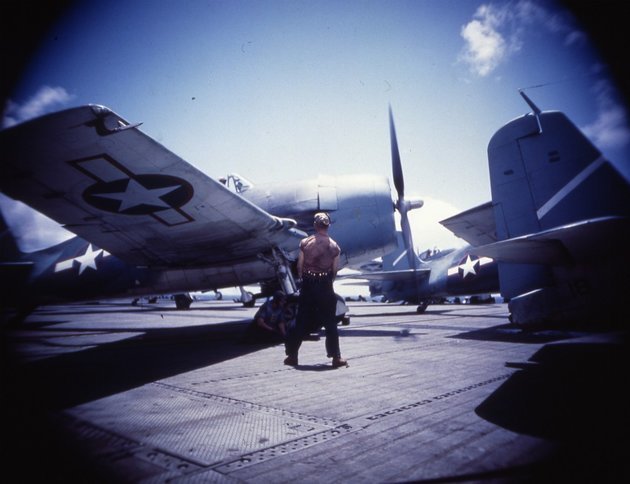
(476, 225)
(585, 240)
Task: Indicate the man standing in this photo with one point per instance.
(317, 266)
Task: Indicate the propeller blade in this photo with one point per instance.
(408, 240)
(402, 205)
(399, 181)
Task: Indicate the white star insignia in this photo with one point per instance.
(86, 260)
(135, 194)
(468, 267)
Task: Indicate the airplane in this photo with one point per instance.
(149, 223)
(550, 240)
(558, 223)
(403, 275)
(438, 274)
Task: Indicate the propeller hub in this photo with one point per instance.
(407, 205)
(414, 203)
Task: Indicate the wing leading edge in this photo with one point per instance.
(106, 181)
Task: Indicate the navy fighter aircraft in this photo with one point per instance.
(150, 223)
(551, 238)
(558, 224)
(437, 274)
(404, 276)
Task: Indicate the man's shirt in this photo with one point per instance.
(274, 315)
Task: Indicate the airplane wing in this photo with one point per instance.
(593, 239)
(106, 181)
(476, 225)
(405, 275)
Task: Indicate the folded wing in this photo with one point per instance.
(476, 225)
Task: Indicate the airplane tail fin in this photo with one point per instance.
(546, 175)
(398, 259)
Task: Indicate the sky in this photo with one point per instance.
(288, 90)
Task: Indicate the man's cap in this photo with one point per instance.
(322, 219)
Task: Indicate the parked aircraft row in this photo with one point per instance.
(147, 222)
(550, 240)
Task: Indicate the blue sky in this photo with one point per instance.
(286, 90)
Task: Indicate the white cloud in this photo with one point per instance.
(610, 129)
(497, 32)
(485, 47)
(32, 230)
(575, 37)
(45, 99)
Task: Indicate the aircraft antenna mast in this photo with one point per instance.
(535, 108)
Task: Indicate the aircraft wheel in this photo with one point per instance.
(422, 307)
(219, 295)
(183, 301)
(341, 310)
(252, 301)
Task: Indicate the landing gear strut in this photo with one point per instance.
(247, 298)
(422, 307)
(280, 262)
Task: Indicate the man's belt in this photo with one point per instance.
(316, 275)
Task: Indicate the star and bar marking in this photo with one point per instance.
(118, 190)
(468, 266)
(136, 194)
(85, 261)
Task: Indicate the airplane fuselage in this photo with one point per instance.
(360, 207)
(453, 273)
(76, 270)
